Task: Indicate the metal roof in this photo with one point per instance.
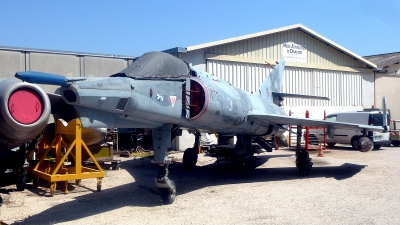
(7, 48)
(296, 26)
(383, 60)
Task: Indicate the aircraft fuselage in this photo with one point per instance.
(203, 102)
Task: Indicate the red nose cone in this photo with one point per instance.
(25, 106)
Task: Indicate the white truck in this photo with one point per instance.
(342, 136)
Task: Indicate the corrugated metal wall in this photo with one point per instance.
(62, 63)
(245, 76)
(270, 47)
(343, 88)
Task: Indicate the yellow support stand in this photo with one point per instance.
(57, 171)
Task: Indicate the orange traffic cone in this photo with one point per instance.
(320, 151)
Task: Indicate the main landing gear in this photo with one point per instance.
(303, 160)
(244, 151)
(190, 155)
(162, 139)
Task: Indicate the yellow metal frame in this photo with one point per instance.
(58, 171)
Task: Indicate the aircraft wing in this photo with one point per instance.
(288, 95)
(289, 120)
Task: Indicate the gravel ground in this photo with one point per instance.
(345, 187)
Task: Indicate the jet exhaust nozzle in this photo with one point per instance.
(24, 112)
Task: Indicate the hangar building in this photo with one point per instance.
(315, 65)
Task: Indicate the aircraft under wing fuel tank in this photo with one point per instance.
(162, 92)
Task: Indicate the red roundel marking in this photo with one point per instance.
(25, 106)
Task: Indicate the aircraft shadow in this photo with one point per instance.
(143, 192)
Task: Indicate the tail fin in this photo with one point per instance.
(273, 83)
(270, 90)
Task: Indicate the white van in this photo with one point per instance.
(341, 136)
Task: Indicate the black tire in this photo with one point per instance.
(364, 144)
(168, 195)
(354, 142)
(377, 147)
(189, 159)
(303, 163)
(98, 187)
(331, 144)
(21, 181)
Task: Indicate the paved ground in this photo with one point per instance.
(345, 187)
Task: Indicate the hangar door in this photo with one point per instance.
(343, 88)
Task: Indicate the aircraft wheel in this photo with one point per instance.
(189, 159)
(78, 182)
(168, 195)
(364, 144)
(53, 187)
(303, 163)
(21, 181)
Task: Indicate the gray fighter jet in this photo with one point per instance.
(161, 92)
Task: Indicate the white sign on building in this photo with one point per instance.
(294, 52)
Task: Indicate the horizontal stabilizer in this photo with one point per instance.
(46, 78)
(287, 95)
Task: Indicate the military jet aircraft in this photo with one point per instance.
(164, 93)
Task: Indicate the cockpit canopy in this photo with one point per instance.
(156, 65)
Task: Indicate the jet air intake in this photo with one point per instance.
(69, 95)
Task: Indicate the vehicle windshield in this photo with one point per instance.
(331, 118)
(377, 119)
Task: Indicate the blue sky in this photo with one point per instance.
(123, 27)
